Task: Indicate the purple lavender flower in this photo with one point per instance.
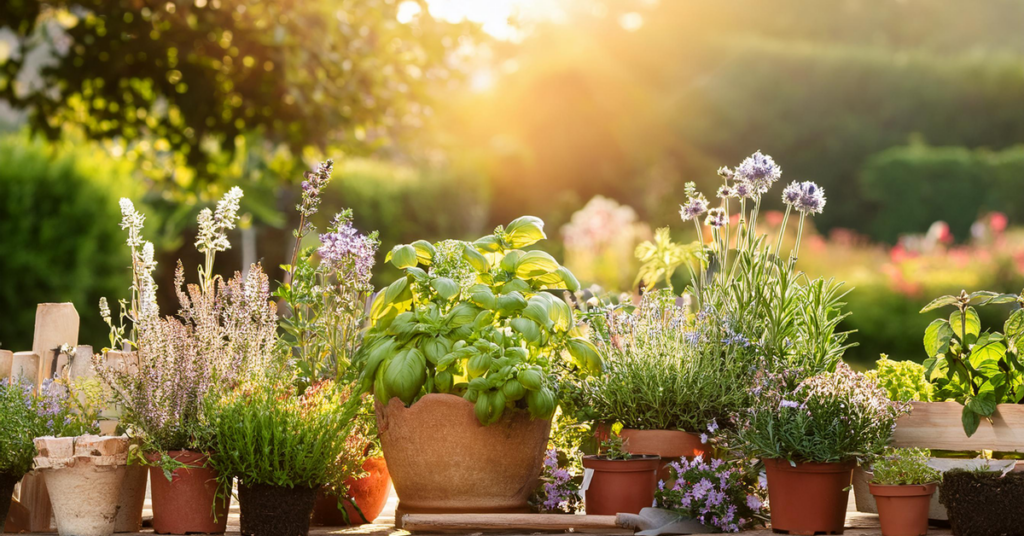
(713, 427)
(759, 171)
(792, 193)
(812, 198)
(347, 248)
(754, 503)
(744, 190)
(716, 218)
(694, 207)
(788, 404)
(312, 186)
(725, 172)
(726, 191)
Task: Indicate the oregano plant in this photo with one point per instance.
(485, 320)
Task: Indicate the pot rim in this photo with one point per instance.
(905, 490)
(810, 467)
(640, 463)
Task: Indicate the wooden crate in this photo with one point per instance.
(937, 425)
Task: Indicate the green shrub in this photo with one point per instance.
(903, 380)
(58, 234)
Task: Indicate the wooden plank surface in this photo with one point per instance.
(937, 425)
(506, 522)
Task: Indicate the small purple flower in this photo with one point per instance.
(792, 193)
(694, 207)
(812, 198)
(726, 191)
(754, 503)
(713, 426)
(312, 186)
(703, 438)
(744, 190)
(789, 404)
(760, 171)
(716, 218)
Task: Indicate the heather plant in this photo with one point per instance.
(903, 467)
(659, 374)
(266, 433)
(975, 368)
(903, 381)
(486, 320)
(223, 332)
(722, 494)
(830, 417)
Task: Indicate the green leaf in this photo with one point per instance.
(1014, 327)
(424, 252)
(585, 355)
(461, 315)
(940, 302)
(489, 243)
(514, 285)
(531, 378)
(970, 420)
(508, 262)
(482, 296)
(529, 329)
(405, 375)
(397, 292)
(535, 263)
(937, 337)
(525, 231)
(984, 404)
(571, 283)
(403, 256)
(476, 259)
(539, 310)
(444, 286)
(510, 303)
(993, 298)
(973, 324)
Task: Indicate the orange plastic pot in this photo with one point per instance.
(903, 510)
(621, 486)
(185, 504)
(810, 497)
(369, 492)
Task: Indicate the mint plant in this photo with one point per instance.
(976, 368)
(485, 320)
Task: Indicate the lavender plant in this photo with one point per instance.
(724, 495)
(830, 417)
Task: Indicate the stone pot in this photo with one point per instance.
(670, 445)
(369, 492)
(275, 510)
(809, 498)
(442, 460)
(185, 504)
(621, 486)
(903, 510)
(83, 477)
(132, 499)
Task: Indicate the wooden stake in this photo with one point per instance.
(25, 366)
(56, 324)
(6, 360)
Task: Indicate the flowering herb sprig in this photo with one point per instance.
(213, 227)
(313, 184)
(561, 489)
(725, 495)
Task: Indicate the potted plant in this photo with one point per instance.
(983, 501)
(281, 447)
(622, 482)
(322, 321)
(903, 381)
(464, 358)
(723, 495)
(903, 486)
(809, 436)
(223, 329)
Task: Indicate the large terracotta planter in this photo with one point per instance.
(83, 478)
(132, 499)
(369, 492)
(670, 445)
(903, 510)
(442, 460)
(621, 486)
(810, 497)
(185, 504)
(7, 483)
(275, 510)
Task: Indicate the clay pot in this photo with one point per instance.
(185, 504)
(670, 445)
(275, 510)
(810, 497)
(442, 460)
(621, 486)
(903, 510)
(132, 499)
(369, 492)
(83, 477)
(7, 483)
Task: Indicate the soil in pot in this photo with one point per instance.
(185, 504)
(983, 503)
(621, 486)
(7, 483)
(903, 510)
(369, 492)
(809, 498)
(442, 460)
(275, 510)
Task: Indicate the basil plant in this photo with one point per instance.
(485, 320)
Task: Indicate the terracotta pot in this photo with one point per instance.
(83, 478)
(903, 510)
(671, 445)
(275, 510)
(809, 498)
(369, 492)
(621, 486)
(7, 483)
(442, 460)
(185, 504)
(132, 499)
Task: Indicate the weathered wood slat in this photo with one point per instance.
(56, 324)
(937, 425)
(507, 522)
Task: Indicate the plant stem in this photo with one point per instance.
(782, 229)
(295, 251)
(796, 247)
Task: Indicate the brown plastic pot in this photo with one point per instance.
(903, 510)
(442, 460)
(185, 504)
(621, 486)
(670, 445)
(369, 492)
(810, 497)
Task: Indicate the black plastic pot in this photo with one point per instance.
(7, 483)
(983, 503)
(275, 510)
